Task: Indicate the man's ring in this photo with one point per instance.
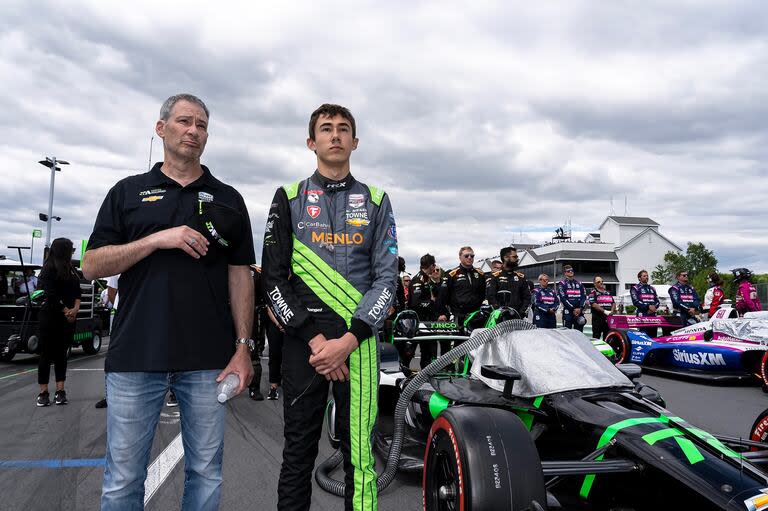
(192, 242)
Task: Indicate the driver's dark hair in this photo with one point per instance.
(640, 273)
(59, 260)
(426, 261)
(331, 110)
(400, 264)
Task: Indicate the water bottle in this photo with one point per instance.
(227, 387)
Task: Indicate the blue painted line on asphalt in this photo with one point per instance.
(73, 463)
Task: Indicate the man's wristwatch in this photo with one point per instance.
(248, 342)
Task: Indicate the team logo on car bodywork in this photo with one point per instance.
(356, 200)
(699, 358)
(314, 211)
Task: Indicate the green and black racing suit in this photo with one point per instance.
(329, 266)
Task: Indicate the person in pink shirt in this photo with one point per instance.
(746, 292)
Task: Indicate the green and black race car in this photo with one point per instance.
(544, 421)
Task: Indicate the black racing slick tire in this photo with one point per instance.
(93, 345)
(763, 373)
(759, 430)
(618, 340)
(481, 459)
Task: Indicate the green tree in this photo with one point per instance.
(698, 260)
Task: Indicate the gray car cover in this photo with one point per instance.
(550, 361)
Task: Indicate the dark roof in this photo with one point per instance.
(633, 220)
(580, 255)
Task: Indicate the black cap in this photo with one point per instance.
(506, 250)
(220, 224)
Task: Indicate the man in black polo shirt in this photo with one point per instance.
(181, 240)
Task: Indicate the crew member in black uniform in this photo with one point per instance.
(258, 334)
(422, 297)
(462, 292)
(507, 279)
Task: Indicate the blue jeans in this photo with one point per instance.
(135, 401)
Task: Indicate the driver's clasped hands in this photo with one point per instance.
(329, 356)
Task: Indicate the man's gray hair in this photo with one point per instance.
(165, 110)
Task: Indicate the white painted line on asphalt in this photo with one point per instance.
(73, 361)
(162, 467)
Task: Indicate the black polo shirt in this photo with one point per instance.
(174, 310)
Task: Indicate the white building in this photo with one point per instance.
(623, 247)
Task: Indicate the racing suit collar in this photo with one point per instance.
(329, 185)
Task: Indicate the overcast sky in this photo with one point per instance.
(489, 123)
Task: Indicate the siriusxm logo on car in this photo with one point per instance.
(700, 358)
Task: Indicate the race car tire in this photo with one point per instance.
(33, 344)
(759, 430)
(618, 340)
(93, 345)
(764, 371)
(481, 459)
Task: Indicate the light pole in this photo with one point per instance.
(51, 162)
